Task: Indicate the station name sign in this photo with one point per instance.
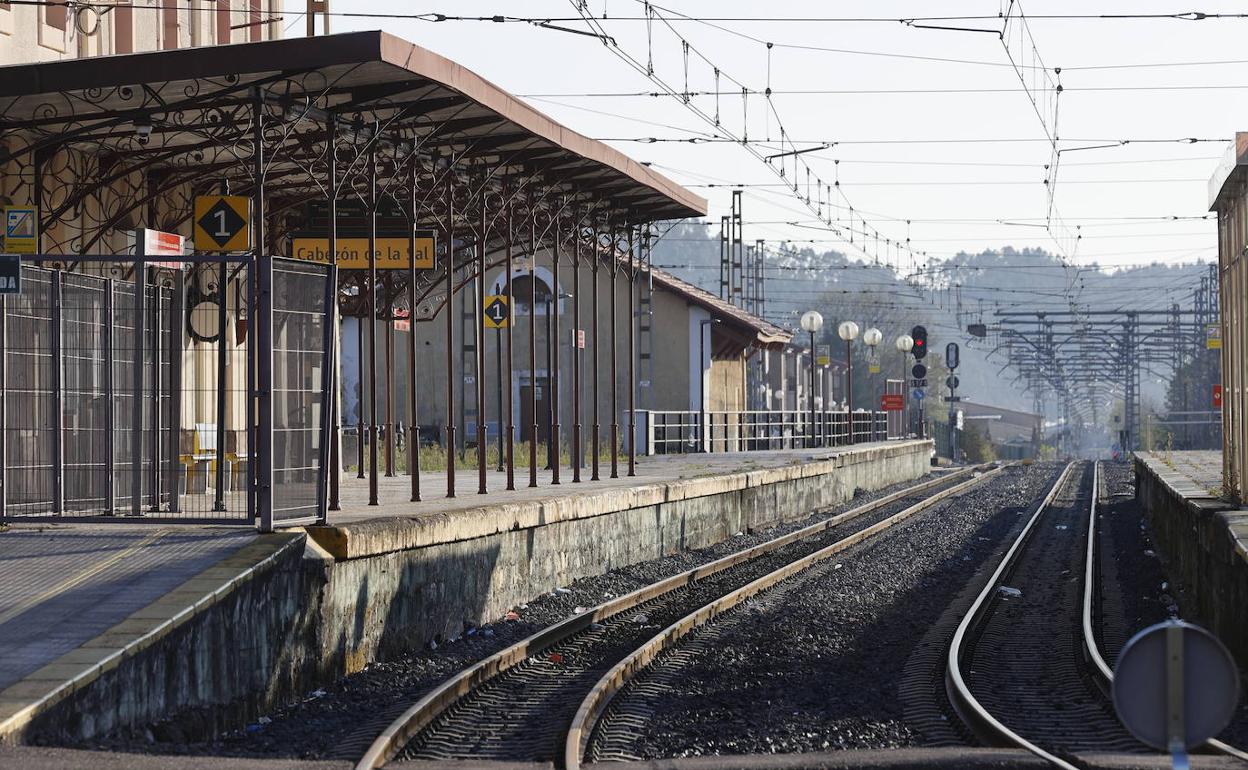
(392, 253)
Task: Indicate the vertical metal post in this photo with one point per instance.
(218, 498)
(58, 392)
(4, 402)
(413, 434)
(552, 340)
(157, 349)
(482, 431)
(450, 333)
(372, 317)
(576, 353)
(615, 401)
(110, 398)
(328, 389)
(511, 369)
(335, 421)
(360, 433)
(263, 338)
(136, 390)
(849, 387)
(632, 354)
(532, 343)
(390, 421)
(176, 351)
(812, 431)
(498, 372)
(595, 437)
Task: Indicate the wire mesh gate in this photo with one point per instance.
(147, 400)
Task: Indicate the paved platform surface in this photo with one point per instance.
(62, 585)
(394, 493)
(1194, 473)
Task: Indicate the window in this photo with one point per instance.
(224, 20)
(123, 29)
(169, 25)
(253, 19)
(57, 17)
(522, 286)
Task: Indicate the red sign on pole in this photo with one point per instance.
(892, 402)
(1217, 396)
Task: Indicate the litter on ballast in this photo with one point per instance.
(563, 591)
(1009, 591)
(577, 610)
(555, 657)
(317, 694)
(641, 617)
(1061, 526)
(513, 615)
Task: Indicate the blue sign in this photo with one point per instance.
(917, 394)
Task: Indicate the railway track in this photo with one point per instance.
(539, 698)
(1025, 669)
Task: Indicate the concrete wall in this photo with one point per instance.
(1202, 542)
(373, 590)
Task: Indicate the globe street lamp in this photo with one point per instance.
(812, 322)
(872, 337)
(904, 344)
(848, 331)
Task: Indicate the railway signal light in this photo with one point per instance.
(919, 333)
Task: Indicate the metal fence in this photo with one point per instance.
(674, 432)
(147, 399)
(303, 366)
(89, 379)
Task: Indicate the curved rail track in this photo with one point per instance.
(515, 702)
(1032, 659)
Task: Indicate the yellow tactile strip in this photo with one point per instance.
(33, 695)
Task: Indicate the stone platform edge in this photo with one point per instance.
(1203, 541)
(391, 533)
(77, 670)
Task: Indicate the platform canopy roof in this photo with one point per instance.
(188, 116)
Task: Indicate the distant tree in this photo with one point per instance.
(976, 446)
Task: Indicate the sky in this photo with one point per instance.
(932, 134)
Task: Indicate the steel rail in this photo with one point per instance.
(595, 703)
(1104, 674)
(400, 732)
(985, 726)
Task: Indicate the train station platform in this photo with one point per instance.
(1202, 539)
(107, 627)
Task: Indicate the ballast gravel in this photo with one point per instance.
(340, 720)
(814, 664)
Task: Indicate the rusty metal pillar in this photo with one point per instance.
(413, 417)
(482, 442)
(449, 308)
(595, 434)
(372, 317)
(554, 433)
(632, 354)
(510, 443)
(615, 396)
(576, 352)
(532, 342)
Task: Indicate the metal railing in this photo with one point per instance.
(677, 432)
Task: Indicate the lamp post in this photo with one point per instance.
(848, 331)
(872, 337)
(904, 344)
(812, 322)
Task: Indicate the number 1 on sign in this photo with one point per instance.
(222, 232)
